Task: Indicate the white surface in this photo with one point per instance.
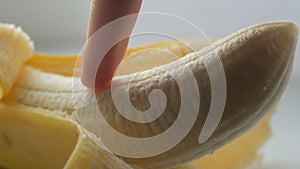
(59, 26)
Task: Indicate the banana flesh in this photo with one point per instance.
(263, 52)
(15, 49)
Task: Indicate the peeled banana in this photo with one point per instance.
(38, 120)
(15, 49)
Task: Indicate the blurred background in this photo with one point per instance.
(59, 26)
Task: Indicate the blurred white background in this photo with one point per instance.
(59, 26)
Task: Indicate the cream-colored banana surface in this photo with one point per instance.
(15, 49)
(37, 113)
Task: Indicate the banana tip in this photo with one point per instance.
(290, 27)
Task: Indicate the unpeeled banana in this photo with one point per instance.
(39, 119)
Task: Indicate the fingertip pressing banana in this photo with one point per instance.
(38, 120)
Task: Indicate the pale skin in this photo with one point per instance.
(101, 13)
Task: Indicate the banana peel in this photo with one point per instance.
(35, 134)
